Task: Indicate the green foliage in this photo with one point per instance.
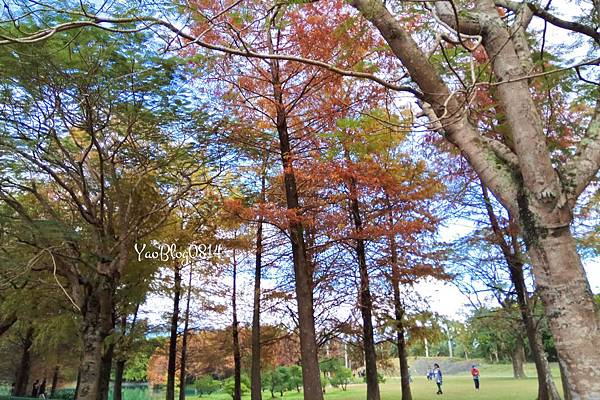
(229, 386)
(206, 384)
(295, 377)
(341, 377)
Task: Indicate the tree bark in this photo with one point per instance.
(118, 386)
(54, 381)
(565, 382)
(303, 274)
(22, 374)
(255, 375)
(545, 216)
(237, 358)
(368, 339)
(106, 367)
(172, 363)
(571, 317)
(399, 315)
(183, 360)
(518, 358)
(121, 361)
(546, 388)
(513, 256)
(77, 383)
(98, 324)
(366, 302)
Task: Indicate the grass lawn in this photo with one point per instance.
(455, 388)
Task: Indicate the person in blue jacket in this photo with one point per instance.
(437, 375)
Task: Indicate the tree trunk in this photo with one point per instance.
(255, 384)
(570, 309)
(543, 205)
(237, 358)
(22, 374)
(311, 377)
(513, 257)
(565, 382)
(172, 363)
(546, 216)
(399, 315)
(120, 364)
(118, 387)
(546, 388)
(106, 367)
(54, 381)
(518, 358)
(98, 324)
(77, 384)
(366, 302)
(183, 362)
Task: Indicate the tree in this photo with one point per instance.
(516, 164)
(94, 178)
(522, 178)
(206, 385)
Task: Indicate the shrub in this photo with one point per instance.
(206, 384)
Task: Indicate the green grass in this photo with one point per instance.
(496, 384)
(455, 388)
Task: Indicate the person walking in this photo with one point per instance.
(35, 388)
(475, 375)
(437, 374)
(42, 390)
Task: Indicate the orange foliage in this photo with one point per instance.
(210, 352)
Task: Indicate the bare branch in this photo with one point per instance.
(581, 169)
(540, 12)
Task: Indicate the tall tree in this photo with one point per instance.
(522, 178)
(514, 257)
(93, 174)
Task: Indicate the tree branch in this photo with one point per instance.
(581, 169)
(540, 12)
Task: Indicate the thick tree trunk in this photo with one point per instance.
(545, 216)
(54, 381)
(366, 302)
(518, 358)
(98, 324)
(183, 360)
(511, 250)
(118, 387)
(22, 373)
(255, 384)
(570, 309)
(172, 363)
(303, 274)
(528, 175)
(237, 358)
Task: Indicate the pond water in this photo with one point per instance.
(130, 392)
(144, 392)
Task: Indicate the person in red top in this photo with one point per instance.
(475, 374)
